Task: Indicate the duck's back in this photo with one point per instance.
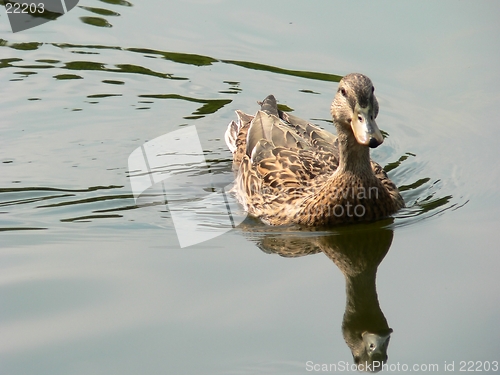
(271, 129)
(279, 158)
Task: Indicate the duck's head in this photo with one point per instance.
(355, 108)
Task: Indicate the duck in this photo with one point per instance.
(289, 171)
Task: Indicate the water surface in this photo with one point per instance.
(93, 283)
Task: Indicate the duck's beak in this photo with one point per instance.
(365, 128)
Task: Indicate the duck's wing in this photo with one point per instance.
(273, 130)
(313, 135)
(281, 158)
(282, 150)
(285, 130)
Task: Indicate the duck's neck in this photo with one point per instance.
(362, 300)
(362, 311)
(353, 157)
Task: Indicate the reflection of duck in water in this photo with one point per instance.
(357, 252)
(290, 171)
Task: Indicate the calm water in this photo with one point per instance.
(90, 283)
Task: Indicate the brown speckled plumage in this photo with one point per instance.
(290, 171)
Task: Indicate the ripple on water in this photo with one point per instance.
(34, 208)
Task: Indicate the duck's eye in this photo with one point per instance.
(373, 89)
(343, 92)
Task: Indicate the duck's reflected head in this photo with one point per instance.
(375, 351)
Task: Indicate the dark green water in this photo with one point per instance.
(92, 283)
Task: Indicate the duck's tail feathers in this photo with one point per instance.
(269, 105)
(237, 129)
(231, 136)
